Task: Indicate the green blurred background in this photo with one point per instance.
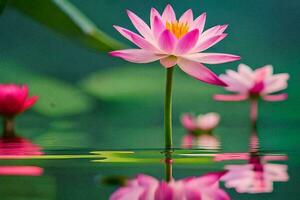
(91, 100)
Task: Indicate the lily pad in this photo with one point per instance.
(146, 83)
(56, 97)
(65, 139)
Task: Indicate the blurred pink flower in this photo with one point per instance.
(248, 83)
(175, 41)
(205, 122)
(204, 141)
(194, 188)
(14, 99)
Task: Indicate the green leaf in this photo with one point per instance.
(142, 83)
(56, 97)
(62, 138)
(64, 18)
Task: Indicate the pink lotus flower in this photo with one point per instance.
(14, 99)
(204, 141)
(175, 41)
(194, 188)
(201, 123)
(259, 83)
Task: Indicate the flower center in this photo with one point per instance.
(178, 28)
(257, 88)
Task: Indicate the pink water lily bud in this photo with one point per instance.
(204, 122)
(193, 188)
(173, 40)
(14, 99)
(259, 83)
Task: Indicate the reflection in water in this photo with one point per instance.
(21, 171)
(204, 187)
(255, 177)
(200, 131)
(205, 141)
(17, 147)
(258, 175)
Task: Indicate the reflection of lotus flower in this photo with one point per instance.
(16, 148)
(258, 83)
(258, 175)
(146, 187)
(21, 171)
(205, 141)
(14, 99)
(254, 177)
(203, 123)
(200, 131)
(174, 42)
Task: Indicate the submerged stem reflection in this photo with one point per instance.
(168, 166)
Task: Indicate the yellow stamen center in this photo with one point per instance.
(178, 28)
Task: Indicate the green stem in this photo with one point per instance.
(8, 127)
(168, 109)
